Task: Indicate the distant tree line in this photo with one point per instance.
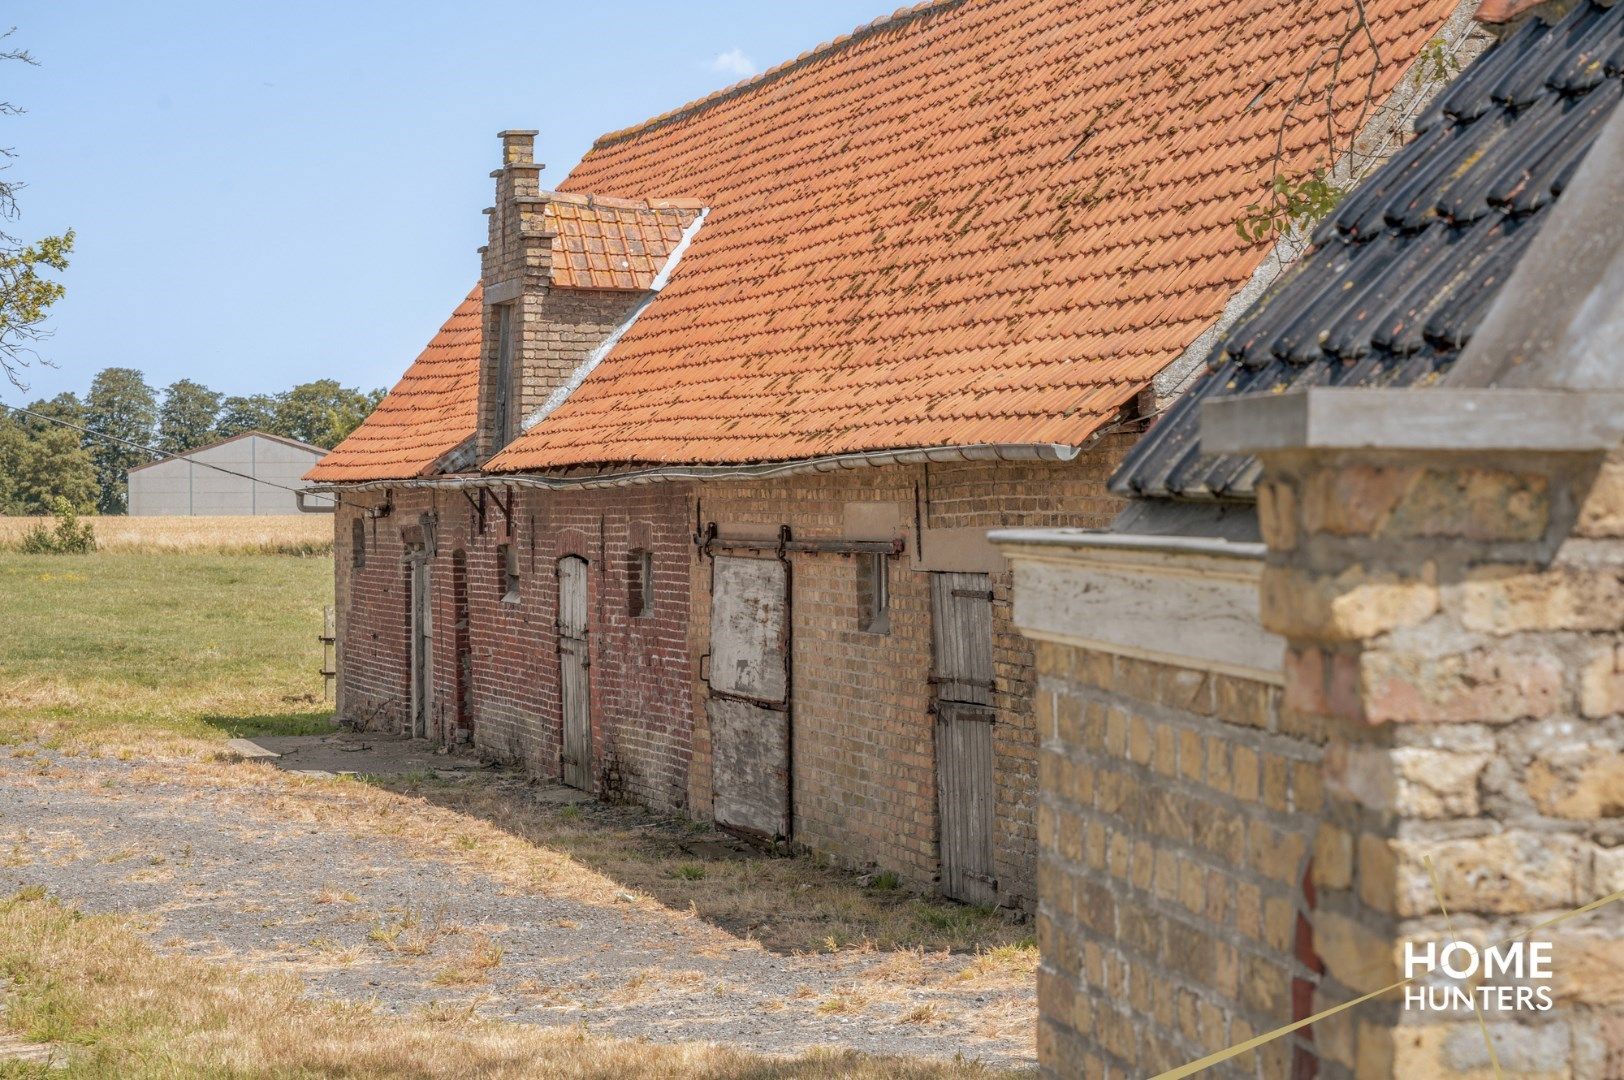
(41, 462)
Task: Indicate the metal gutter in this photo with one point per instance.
(1050, 452)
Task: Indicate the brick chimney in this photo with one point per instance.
(516, 271)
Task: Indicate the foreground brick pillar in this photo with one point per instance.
(1456, 620)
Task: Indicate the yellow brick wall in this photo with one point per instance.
(864, 784)
(1178, 816)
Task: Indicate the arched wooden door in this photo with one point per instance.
(421, 644)
(574, 664)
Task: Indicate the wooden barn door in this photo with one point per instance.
(749, 695)
(575, 687)
(421, 624)
(961, 620)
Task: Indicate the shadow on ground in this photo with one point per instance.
(317, 721)
(786, 904)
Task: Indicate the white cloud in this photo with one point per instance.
(735, 63)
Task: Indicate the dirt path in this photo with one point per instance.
(362, 917)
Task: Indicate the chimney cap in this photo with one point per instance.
(517, 132)
(518, 146)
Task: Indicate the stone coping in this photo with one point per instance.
(1184, 601)
(1013, 539)
(1438, 419)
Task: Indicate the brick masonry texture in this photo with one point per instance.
(864, 788)
(864, 769)
(1178, 814)
(1222, 856)
(640, 666)
(864, 785)
(1458, 620)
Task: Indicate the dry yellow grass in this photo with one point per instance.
(614, 857)
(278, 534)
(95, 988)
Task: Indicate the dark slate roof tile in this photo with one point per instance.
(1400, 275)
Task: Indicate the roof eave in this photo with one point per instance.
(1028, 452)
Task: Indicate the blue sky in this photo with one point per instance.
(271, 192)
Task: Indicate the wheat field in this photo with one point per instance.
(279, 534)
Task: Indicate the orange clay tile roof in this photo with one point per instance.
(429, 413)
(613, 243)
(990, 221)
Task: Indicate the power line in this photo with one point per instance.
(152, 449)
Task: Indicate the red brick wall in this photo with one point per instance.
(864, 784)
(640, 667)
(371, 601)
(639, 670)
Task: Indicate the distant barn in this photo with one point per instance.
(251, 473)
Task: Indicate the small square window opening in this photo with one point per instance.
(640, 582)
(508, 558)
(873, 594)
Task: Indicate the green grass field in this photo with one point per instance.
(121, 647)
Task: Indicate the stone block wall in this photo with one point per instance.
(1457, 620)
(1224, 854)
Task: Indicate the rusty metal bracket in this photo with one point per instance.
(709, 543)
(479, 508)
(507, 510)
(703, 538)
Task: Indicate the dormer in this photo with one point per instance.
(563, 274)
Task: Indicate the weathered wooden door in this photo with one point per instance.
(421, 620)
(574, 662)
(962, 680)
(749, 695)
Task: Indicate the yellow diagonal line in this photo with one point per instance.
(1449, 925)
(1252, 1044)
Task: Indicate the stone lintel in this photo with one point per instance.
(502, 292)
(1437, 419)
(1192, 602)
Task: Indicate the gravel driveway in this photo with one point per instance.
(363, 917)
